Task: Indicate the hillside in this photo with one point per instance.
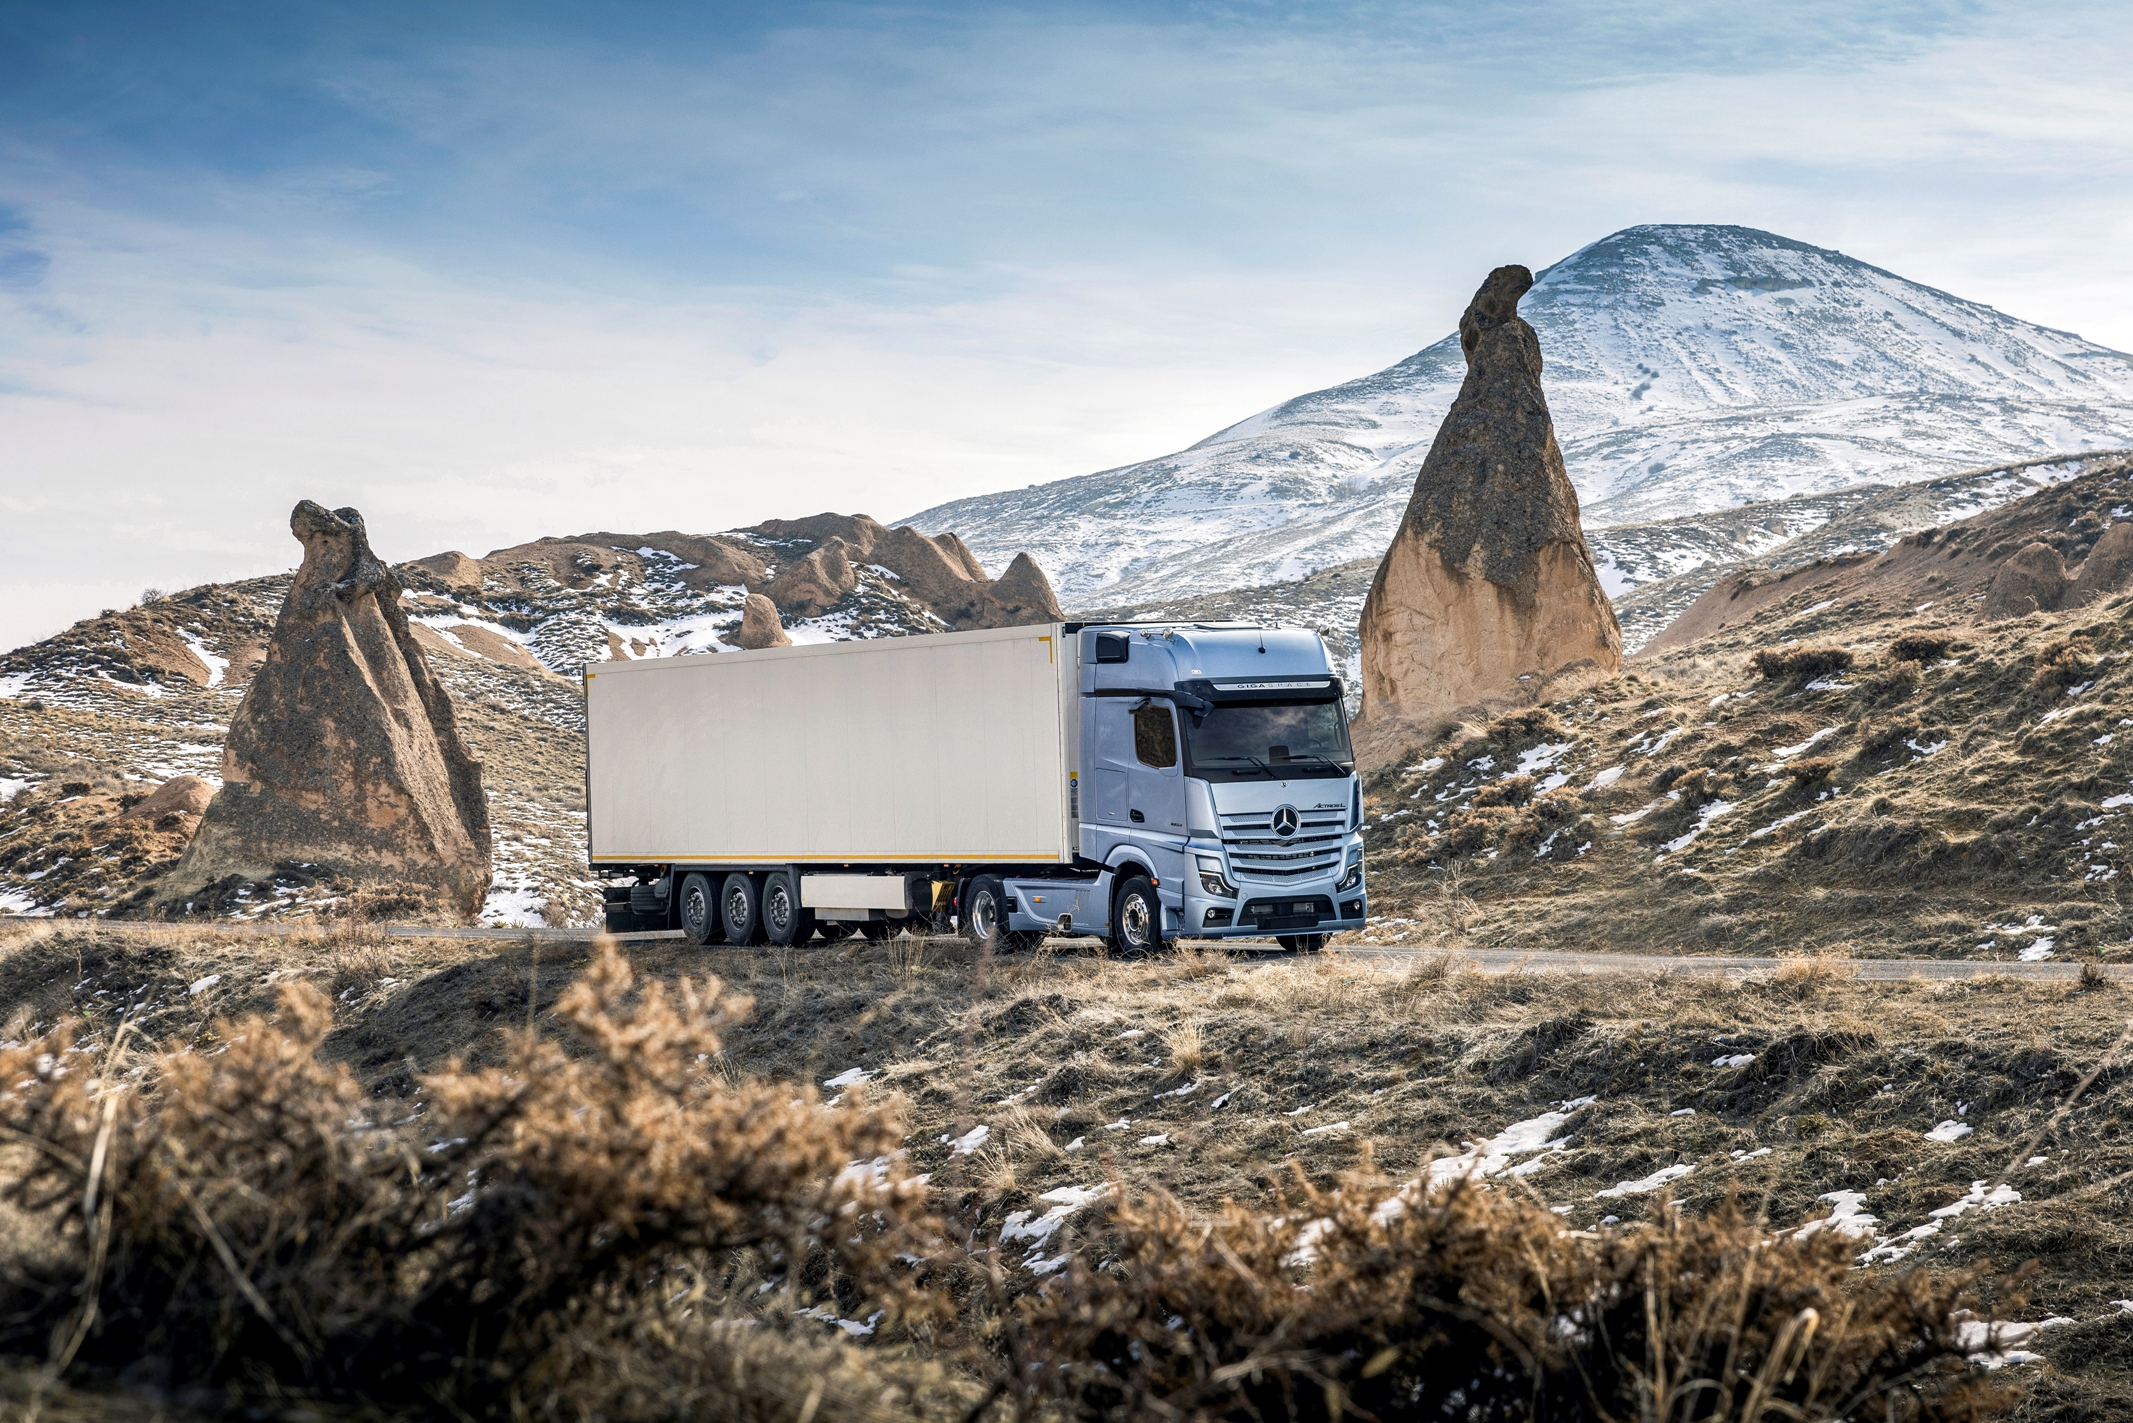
(132, 697)
(1847, 756)
(1689, 369)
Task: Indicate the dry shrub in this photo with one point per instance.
(1470, 831)
(1920, 647)
(1892, 683)
(1882, 737)
(402, 903)
(1801, 975)
(1471, 1304)
(1511, 790)
(1187, 1047)
(2060, 664)
(1779, 662)
(1810, 770)
(253, 1218)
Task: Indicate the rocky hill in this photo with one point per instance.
(123, 701)
(1857, 754)
(1689, 369)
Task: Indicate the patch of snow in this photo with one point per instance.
(850, 1077)
(2036, 952)
(202, 985)
(1949, 1132)
(1647, 1185)
(1738, 1059)
(1847, 1217)
(1320, 1131)
(1612, 774)
(1708, 814)
(968, 1142)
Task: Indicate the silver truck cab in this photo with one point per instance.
(1214, 763)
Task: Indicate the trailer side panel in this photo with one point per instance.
(942, 749)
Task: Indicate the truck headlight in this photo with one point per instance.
(1354, 876)
(1212, 879)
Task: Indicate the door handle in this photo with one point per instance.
(1138, 818)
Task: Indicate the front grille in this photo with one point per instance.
(1286, 913)
(1256, 852)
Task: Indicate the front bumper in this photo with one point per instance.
(1263, 915)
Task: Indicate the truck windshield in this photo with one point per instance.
(1248, 739)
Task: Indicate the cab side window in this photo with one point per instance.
(1155, 735)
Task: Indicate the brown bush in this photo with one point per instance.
(1468, 832)
(251, 1214)
(1511, 790)
(1920, 647)
(1882, 737)
(1471, 1304)
(2060, 663)
(1807, 662)
(1892, 683)
(1810, 770)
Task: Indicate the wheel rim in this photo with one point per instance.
(984, 914)
(777, 909)
(695, 910)
(737, 906)
(1133, 920)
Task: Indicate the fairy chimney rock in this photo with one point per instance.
(1487, 594)
(344, 756)
(760, 626)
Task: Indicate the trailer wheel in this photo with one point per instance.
(740, 906)
(834, 930)
(1301, 943)
(1137, 926)
(784, 920)
(699, 911)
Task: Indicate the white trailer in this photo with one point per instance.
(869, 785)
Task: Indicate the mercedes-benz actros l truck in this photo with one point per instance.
(1142, 782)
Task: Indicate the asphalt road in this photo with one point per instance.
(1488, 960)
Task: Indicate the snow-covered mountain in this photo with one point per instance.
(1689, 368)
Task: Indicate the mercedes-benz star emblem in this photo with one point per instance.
(1286, 820)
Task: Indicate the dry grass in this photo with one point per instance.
(1416, 1057)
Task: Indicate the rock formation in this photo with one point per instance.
(1488, 591)
(2108, 568)
(759, 624)
(180, 795)
(344, 756)
(2033, 581)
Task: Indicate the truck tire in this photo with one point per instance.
(784, 920)
(740, 908)
(984, 911)
(1301, 943)
(1137, 922)
(699, 911)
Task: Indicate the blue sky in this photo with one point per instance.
(492, 272)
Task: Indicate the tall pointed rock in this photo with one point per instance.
(1487, 594)
(345, 756)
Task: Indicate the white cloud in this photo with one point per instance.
(866, 269)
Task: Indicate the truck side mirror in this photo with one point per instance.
(1112, 647)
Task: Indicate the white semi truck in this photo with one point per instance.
(1143, 782)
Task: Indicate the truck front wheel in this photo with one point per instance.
(699, 911)
(784, 921)
(984, 910)
(740, 905)
(1137, 925)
